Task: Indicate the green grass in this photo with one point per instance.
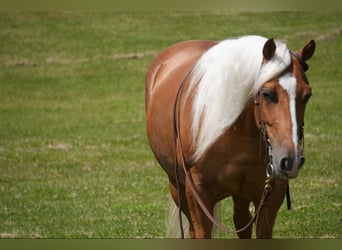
(74, 158)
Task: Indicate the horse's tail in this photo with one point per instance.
(172, 221)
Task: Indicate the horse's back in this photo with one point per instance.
(163, 80)
(172, 62)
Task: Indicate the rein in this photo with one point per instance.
(178, 145)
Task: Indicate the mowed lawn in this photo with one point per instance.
(74, 157)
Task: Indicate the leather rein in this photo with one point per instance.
(178, 147)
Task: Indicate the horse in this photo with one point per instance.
(223, 117)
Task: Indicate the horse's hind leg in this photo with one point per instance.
(184, 204)
(242, 216)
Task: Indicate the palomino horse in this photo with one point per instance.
(224, 112)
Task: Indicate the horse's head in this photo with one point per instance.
(280, 110)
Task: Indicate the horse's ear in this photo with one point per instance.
(308, 50)
(269, 49)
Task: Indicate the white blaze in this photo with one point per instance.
(289, 83)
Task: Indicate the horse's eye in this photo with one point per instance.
(268, 95)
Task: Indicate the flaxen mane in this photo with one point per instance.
(225, 78)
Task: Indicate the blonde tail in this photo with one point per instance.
(172, 222)
(216, 232)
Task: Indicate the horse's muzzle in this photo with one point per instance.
(290, 167)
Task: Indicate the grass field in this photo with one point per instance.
(74, 158)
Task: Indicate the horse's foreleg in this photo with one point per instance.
(201, 224)
(267, 215)
(265, 222)
(242, 217)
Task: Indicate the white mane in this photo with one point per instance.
(225, 78)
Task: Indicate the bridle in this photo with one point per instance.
(270, 167)
(178, 147)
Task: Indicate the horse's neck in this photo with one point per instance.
(240, 144)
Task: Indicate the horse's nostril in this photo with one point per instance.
(301, 162)
(286, 164)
